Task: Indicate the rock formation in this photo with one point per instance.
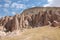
(33, 17)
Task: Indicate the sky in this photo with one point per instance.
(12, 7)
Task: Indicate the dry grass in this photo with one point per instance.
(40, 33)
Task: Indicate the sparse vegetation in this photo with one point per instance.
(39, 33)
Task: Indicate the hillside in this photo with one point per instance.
(39, 33)
(32, 17)
(38, 23)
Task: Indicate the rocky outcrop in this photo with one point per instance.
(33, 17)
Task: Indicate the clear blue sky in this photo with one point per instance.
(10, 7)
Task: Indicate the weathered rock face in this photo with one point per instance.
(33, 17)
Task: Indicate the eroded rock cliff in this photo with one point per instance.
(33, 17)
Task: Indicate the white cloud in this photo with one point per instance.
(13, 13)
(53, 3)
(49, 0)
(23, 0)
(26, 0)
(33, 6)
(8, 1)
(0, 16)
(0, 5)
(6, 5)
(13, 5)
(19, 1)
(16, 5)
(20, 6)
(6, 11)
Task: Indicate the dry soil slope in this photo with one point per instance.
(40, 33)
